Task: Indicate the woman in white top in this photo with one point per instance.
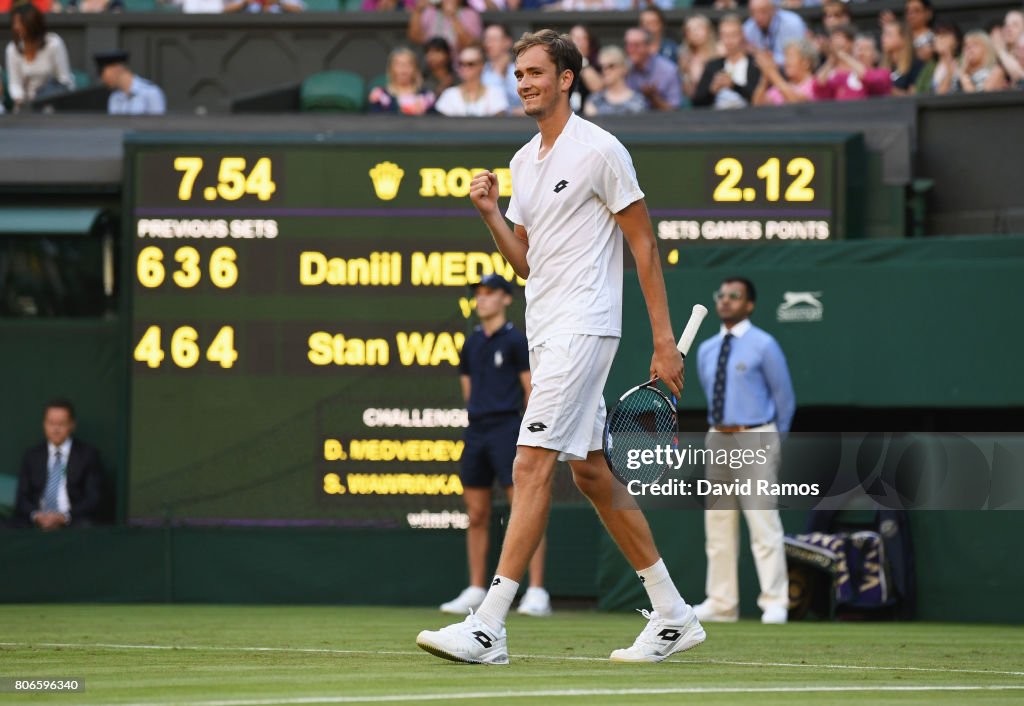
(472, 98)
(35, 57)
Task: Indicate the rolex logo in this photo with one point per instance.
(386, 177)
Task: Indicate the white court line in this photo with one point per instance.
(451, 696)
(409, 653)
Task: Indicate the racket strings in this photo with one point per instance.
(642, 420)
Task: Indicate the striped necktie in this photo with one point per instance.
(53, 481)
(718, 398)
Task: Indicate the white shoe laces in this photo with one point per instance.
(647, 635)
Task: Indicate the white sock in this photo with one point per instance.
(663, 593)
(497, 602)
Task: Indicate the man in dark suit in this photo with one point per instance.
(60, 482)
(729, 81)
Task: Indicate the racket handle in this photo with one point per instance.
(690, 332)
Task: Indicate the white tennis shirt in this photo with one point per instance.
(566, 202)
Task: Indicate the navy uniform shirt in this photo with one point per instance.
(493, 364)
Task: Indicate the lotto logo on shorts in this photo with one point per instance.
(537, 426)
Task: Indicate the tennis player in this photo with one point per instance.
(574, 196)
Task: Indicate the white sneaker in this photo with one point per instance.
(470, 641)
(775, 615)
(706, 614)
(466, 602)
(660, 639)
(536, 602)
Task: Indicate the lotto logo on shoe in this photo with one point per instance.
(537, 426)
(483, 639)
(670, 634)
(560, 186)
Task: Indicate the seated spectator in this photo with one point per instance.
(850, 71)
(37, 60)
(729, 81)
(60, 482)
(404, 92)
(1005, 39)
(130, 94)
(387, 5)
(797, 84)
(472, 98)
(979, 70)
(653, 20)
(616, 98)
(699, 47)
(771, 28)
(439, 71)
(457, 24)
(269, 7)
(653, 76)
(898, 56)
(948, 41)
(500, 69)
(590, 78)
(1019, 56)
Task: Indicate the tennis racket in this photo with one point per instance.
(645, 419)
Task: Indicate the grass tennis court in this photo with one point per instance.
(248, 655)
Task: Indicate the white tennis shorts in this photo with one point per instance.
(566, 410)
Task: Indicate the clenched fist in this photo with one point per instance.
(483, 191)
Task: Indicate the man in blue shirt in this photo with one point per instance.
(495, 374)
(651, 74)
(745, 378)
(130, 94)
(772, 28)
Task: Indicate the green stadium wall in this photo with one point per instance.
(904, 324)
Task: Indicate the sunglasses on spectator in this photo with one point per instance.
(735, 296)
(469, 63)
(610, 65)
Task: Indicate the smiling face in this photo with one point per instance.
(402, 71)
(539, 84)
(613, 66)
(638, 47)
(919, 16)
(892, 38)
(651, 21)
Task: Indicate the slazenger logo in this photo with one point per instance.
(800, 306)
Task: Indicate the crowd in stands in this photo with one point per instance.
(768, 55)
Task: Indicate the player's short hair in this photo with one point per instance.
(560, 48)
(60, 403)
(747, 284)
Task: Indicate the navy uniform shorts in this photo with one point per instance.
(489, 451)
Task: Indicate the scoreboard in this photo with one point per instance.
(298, 305)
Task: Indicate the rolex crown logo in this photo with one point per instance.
(386, 177)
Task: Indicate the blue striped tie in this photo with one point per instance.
(718, 398)
(53, 480)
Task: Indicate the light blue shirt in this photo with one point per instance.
(144, 98)
(758, 389)
(506, 83)
(784, 28)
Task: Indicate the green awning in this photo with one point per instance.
(48, 221)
